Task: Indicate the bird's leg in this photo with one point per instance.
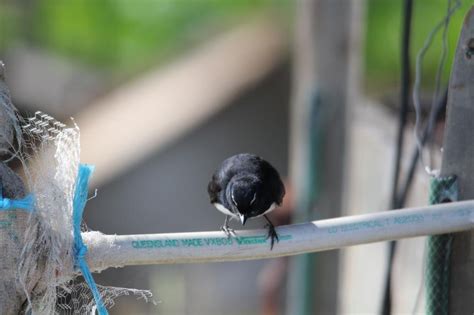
(271, 232)
(226, 229)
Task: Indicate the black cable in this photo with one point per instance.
(404, 99)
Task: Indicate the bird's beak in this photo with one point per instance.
(243, 219)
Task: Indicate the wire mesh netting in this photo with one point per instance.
(442, 189)
(79, 300)
(41, 255)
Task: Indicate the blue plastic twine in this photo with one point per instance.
(80, 250)
(27, 203)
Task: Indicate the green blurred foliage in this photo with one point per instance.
(127, 36)
(383, 39)
(8, 24)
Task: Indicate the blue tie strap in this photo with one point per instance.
(80, 249)
(27, 203)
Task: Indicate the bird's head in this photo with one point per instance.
(241, 194)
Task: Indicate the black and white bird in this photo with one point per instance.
(246, 186)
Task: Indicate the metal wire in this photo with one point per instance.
(418, 76)
(438, 103)
(436, 110)
(422, 137)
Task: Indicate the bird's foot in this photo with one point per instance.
(272, 234)
(228, 231)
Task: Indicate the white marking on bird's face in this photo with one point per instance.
(224, 210)
(233, 199)
(253, 199)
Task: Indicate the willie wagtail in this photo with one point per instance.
(246, 186)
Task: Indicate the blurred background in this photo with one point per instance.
(163, 91)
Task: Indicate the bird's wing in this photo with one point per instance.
(213, 188)
(280, 192)
(272, 177)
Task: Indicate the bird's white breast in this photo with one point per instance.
(224, 210)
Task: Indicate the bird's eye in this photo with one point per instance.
(254, 198)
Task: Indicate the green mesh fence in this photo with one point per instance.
(442, 189)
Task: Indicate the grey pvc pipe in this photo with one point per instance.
(172, 248)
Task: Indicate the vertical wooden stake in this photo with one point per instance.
(458, 159)
(327, 56)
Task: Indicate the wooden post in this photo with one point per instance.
(458, 159)
(327, 55)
